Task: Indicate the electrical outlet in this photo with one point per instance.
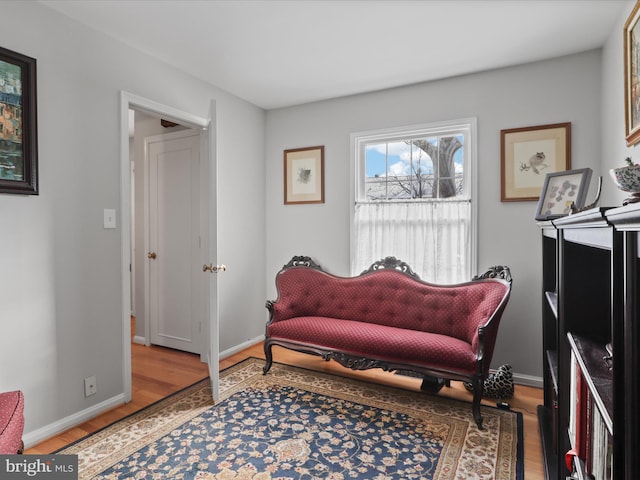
(90, 386)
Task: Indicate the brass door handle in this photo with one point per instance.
(214, 268)
(151, 255)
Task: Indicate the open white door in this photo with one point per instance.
(210, 268)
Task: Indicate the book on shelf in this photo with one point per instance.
(601, 466)
(574, 372)
(589, 432)
(590, 438)
(578, 407)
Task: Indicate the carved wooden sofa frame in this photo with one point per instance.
(299, 307)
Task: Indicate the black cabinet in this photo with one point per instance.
(626, 354)
(590, 295)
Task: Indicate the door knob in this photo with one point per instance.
(213, 268)
(151, 255)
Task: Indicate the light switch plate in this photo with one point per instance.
(109, 218)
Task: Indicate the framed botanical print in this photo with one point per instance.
(528, 154)
(304, 175)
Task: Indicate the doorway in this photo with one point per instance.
(205, 285)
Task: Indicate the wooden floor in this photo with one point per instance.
(159, 371)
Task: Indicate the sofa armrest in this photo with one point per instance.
(270, 305)
(484, 341)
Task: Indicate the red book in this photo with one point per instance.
(588, 423)
(581, 416)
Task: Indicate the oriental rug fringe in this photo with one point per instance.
(295, 423)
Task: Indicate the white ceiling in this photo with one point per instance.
(282, 53)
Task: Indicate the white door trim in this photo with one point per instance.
(210, 185)
(131, 101)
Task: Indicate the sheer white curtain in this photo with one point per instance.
(433, 237)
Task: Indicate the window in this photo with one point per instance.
(414, 199)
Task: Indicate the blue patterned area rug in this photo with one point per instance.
(295, 423)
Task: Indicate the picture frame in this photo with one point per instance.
(527, 154)
(562, 191)
(18, 124)
(304, 175)
(632, 76)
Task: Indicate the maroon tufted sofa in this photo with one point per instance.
(388, 318)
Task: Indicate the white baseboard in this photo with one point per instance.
(242, 346)
(527, 380)
(33, 438)
(224, 354)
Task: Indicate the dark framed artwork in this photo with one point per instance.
(632, 77)
(304, 175)
(18, 124)
(560, 191)
(528, 154)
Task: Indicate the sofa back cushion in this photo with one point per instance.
(389, 297)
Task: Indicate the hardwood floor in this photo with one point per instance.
(158, 372)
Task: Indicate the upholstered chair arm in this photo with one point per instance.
(484, 340)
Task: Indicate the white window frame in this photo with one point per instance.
(466, 126)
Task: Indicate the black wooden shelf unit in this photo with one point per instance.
(590, 333)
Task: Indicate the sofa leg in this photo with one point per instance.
(268, 358)
(478, 387)
(432, 384)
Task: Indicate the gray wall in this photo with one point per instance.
(60, 294)
(614, 147)
(561, 90)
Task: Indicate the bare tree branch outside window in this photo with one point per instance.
(432, 172)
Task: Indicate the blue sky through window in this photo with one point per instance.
(400, 157)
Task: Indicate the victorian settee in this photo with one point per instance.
(388, 318)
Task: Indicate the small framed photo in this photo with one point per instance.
(18, 124)
(560, 191)
(632, 77)
(304, 175)
(528, 154)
